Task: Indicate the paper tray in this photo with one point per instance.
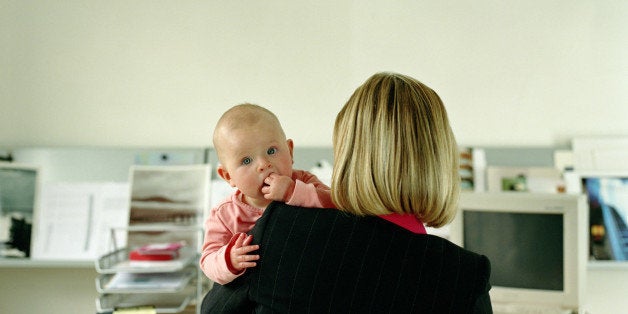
(118, 261)
(144, 282)
(164, 303)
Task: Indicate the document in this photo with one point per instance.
(75, 219)
(148, 281)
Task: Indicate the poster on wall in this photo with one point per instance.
(167, 196)
(75, 219)
(608, 216)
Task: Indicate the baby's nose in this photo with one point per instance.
(263, 165)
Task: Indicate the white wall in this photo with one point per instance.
(159, 73)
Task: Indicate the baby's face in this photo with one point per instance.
(251, 154)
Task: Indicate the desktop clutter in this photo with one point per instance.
(156, 252)
(149, 263)
(141, 227)
(574, 209)
(157, 264)
(18, 242)
(17, 195)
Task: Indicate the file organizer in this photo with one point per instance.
(172, 286)
(167, 206)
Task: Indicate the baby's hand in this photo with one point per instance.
(279, 187)
(239, 255)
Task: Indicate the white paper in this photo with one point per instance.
(75, 219)
(600, 153)
(148, 281)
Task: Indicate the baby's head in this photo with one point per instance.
(251, 144)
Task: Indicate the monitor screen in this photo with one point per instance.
(18, 202)
(536, 243)
(537, 257)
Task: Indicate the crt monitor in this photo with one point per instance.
(536, 242)
(19, 190)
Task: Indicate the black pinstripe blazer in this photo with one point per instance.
(327, 261)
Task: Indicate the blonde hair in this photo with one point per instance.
(395, 152)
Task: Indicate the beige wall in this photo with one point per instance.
(55, 290)
(160, 73)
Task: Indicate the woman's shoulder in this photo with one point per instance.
(449, 247)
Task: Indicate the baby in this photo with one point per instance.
(256, 158)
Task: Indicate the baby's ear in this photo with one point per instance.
(224, 174)
(290, 144)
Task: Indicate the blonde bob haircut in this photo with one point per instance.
(395, 152)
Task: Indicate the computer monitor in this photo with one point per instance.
(19, 195)
(536, 242)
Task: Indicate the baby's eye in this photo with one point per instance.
(246, 160)
(271, 151)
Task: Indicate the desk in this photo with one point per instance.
(61, 290)
(54, 290)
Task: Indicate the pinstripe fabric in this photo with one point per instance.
(326, 261)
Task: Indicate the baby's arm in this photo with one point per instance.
(217, 259)
(306, 190)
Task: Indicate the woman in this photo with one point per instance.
(395, 169)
